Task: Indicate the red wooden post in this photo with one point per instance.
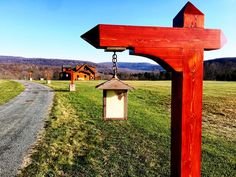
(30, 74)
(72, 77)
(180, 50)
(48, 77)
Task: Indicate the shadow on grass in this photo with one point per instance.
(60, 90)
(64, 90)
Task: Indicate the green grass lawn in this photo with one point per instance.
(77, 142)
(9, 89)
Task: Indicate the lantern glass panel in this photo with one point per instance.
(115, 104)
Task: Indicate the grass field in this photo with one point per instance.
(9, 89)
(77, 142)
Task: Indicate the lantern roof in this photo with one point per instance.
(114, 84)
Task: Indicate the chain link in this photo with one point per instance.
(114, 65)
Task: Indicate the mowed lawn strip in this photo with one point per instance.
(77, 142)
(219, 129)
(9, 89)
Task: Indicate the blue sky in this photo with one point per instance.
(52, 28)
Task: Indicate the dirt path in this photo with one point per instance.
(20, 121)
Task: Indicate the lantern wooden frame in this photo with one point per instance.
(115, 85)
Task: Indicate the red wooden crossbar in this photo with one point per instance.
(142, 36)
(180, 50)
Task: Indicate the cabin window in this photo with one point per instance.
(85, 76)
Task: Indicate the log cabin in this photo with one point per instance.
(81, 72)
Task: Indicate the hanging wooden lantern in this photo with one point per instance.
(115, 94)
(115, 99)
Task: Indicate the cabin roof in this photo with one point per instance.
(85, 65)
(114, 84)
(80, 66)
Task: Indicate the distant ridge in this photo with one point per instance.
(136, 66)
(41, 61)
(223, 69)
(221, 60)
(59, 62)
(214, 69)
(12, 67)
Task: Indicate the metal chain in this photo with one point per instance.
(114, 65)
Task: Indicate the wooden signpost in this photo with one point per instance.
(72, 79)
(30, 75)
(179, 50)
(48, 77)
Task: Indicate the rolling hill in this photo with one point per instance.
(220, 69)
(18, 67)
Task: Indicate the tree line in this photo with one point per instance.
(163, 75)
(220, 69)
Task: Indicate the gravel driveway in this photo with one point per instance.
(20, 121)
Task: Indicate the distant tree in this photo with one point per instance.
(221, 69)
